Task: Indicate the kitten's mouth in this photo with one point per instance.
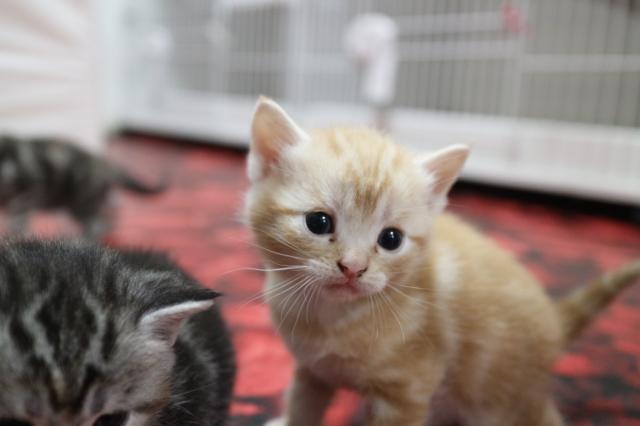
(347, 288)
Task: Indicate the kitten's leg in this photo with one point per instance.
(552, 416)
(536, 414)
(400, 409)
(18, 222)
(19, 213)
(306, 401)
(95, 228)
(96, 224)
(544, 414)
(404, 398)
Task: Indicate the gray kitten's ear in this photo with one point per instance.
(164, 324)
(444, 167)
(272, 131)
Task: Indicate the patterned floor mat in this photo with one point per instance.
(198, 222)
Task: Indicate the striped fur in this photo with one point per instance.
(448, 327)
(87, 331)
(54, 174)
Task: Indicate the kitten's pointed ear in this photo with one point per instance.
(272, 131)
(163, 324)
(444, 167)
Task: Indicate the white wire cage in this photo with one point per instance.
(547, 92)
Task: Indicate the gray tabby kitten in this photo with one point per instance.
(49, 174)
(90, 336)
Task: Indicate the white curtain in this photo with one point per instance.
(50, 70)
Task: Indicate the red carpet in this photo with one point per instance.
(196, 221)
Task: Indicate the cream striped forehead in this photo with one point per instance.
(353, 172)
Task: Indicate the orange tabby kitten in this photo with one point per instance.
(372, 288)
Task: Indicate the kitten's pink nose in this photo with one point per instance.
(351, 269)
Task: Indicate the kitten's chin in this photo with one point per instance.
(344, 291)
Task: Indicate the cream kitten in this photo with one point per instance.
(372, 288)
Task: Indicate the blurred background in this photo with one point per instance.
(547, 93)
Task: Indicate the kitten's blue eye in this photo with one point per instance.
(13, 422)
(319, 223)
(115, 419)
(390, 238)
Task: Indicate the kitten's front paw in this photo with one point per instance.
(280, 421)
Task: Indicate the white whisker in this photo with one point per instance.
(283, 304)
(277, 289)
(372, 306)
(315, 291)
(284, 268)
(258, 246)
(409, 286)
(389, 303)
(305, 295)
(418, 300)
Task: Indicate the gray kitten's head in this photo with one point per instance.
(87, 334)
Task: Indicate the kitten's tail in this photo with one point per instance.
(131, 183)
(580, 307)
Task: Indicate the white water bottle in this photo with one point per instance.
(371, 39)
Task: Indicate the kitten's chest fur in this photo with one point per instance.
(341, 357)
(346, 372)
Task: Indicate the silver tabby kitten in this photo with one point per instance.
(91, 336)
(46, 173)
